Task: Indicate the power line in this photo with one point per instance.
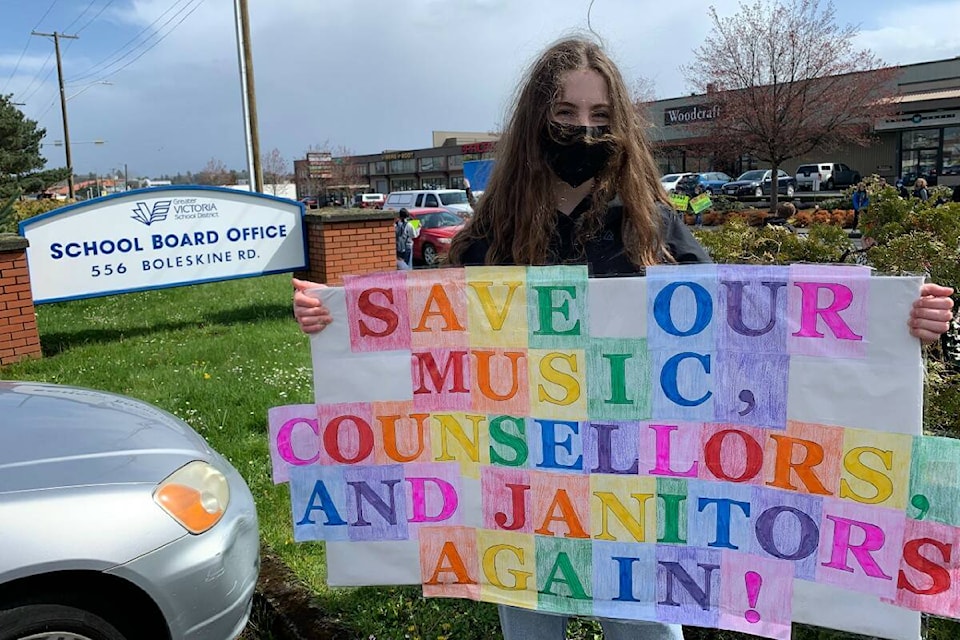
(118, 55)
(37, 77)
(27, 46)
(82, 13)
(145, 51)
(99, 13)
(121, 59)
(39, 87)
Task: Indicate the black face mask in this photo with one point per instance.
(574, 153)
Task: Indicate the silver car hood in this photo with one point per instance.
(58, 436)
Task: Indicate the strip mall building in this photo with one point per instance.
(922, 140)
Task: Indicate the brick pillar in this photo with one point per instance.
(346, 242)
(19, 338)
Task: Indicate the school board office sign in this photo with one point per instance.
(161, 237)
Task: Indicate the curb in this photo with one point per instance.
(293, 611)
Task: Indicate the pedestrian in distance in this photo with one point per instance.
(575, 183)
(405, 235)
(920, 189)
(861, 200)
(471, 198)
(902, 190)
(955, 197)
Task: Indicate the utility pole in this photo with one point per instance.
(63, 102)
(245, 55)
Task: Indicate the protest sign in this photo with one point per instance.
(679, 201)
(701, 203)
(723, 446)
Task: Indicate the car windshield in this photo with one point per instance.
(454, 197)
(752, 175)
(447, 219)
(440, 219)
(689, 179)
(670, 177)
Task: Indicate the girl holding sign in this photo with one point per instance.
(575, 183)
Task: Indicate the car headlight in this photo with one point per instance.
(196, 495)
(444, 240)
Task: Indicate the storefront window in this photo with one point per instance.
(456, 182)
(951, 151)
(455, 162)
(403, 184)
(432, 164)
(407, 165)
(378, 168)
(921, 139)
(362, 169)
(918, 155)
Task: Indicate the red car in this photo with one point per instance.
(437, 228)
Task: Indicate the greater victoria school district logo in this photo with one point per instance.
(148, 216)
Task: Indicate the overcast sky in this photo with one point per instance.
(367, 75)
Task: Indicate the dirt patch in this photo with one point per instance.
(285, 608)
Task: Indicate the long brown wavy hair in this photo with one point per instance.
(517, 212)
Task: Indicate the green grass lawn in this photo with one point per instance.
(219, 356)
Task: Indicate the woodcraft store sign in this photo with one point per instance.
(690, 113)
(164, 237)
(717, 445)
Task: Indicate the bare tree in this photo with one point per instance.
(213, 173)
(275, 169)
(644, 93)
(345, 174)
(786, 79)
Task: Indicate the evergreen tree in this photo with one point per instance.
(21, 165)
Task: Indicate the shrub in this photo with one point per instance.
(821, 216)
(802, 219)
(23, 209)
(713, 218)
(739, 243)
(8, 221)
(722, 204)
(921, 237)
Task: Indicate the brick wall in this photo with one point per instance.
(348, 242)
(19, 338)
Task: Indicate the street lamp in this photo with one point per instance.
(59, 143)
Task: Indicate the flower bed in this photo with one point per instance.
(758, 217)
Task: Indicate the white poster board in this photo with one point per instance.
(722, 446)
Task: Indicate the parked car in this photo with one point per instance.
(436, 230)
(758, 183)
(832, 175)
(696, 183)
(369, 200)
(670, 180)
(119, 522)
(453, 200)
